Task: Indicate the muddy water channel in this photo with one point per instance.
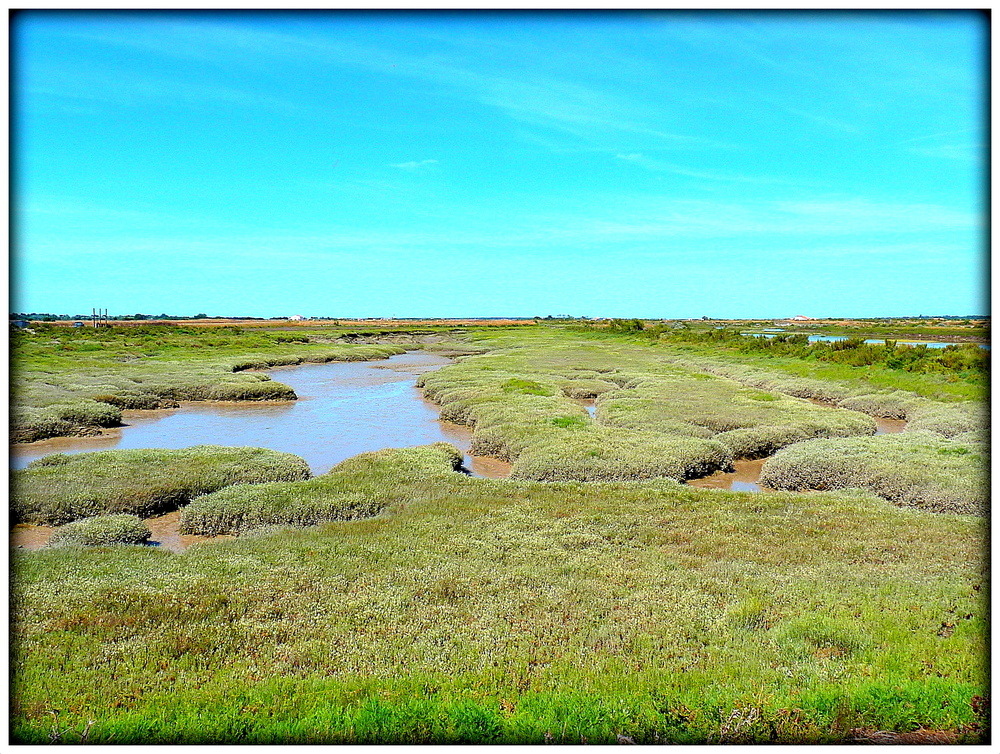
(344, 408)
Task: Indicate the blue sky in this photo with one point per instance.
(448, 164)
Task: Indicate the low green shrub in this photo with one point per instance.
(341, 495)
(914, 468)
(60, 488)
(101, 531)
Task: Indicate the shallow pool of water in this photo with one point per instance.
(745, 477)
(344, 408)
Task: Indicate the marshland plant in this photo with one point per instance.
(591, 596)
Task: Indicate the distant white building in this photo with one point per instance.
(801, 318)
(296, 318)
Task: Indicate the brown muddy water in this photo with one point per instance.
(344, 408)
(745, 478)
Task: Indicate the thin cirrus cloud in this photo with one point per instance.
(584, 112)
(650, 163)
(625, 220)
(413, 165)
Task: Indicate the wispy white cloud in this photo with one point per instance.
(413, 164)
(948, 145)
(591, 114)
(131, 88)
(658, 165)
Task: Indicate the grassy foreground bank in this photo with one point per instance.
(481, 610)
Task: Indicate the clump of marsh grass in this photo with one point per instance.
(60, 488)
(895, 405)
(29, 424)
(949, 419)
(345, 493)
(913, 468)
(99, 531)
(607, 456)
(78, 417)
(265, 390)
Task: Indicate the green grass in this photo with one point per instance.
(60, 488)
(478, 610)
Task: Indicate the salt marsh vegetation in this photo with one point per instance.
(917, 468)
(591, 596)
